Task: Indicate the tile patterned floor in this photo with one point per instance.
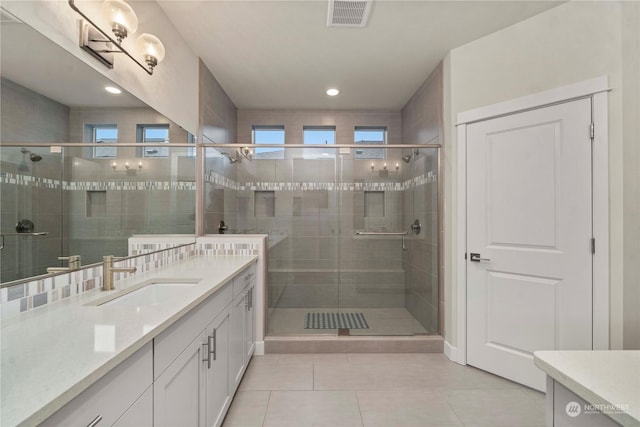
(367, 390)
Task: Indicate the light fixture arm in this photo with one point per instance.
(120, 49)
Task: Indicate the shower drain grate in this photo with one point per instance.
(335, 321)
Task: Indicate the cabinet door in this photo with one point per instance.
(179, 393)
(218, 396)
(236, 341)
(249, 325)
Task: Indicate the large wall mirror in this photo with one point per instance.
(72, 164)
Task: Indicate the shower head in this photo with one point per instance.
(232, 160)
(406, 158)
(32, 156)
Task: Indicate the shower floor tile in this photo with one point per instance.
(382, 321)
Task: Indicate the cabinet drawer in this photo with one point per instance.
(109, 397)
(140, 414)
(247, 276)
(170, 343)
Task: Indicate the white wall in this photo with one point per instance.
(570, 43)
(173, 88)
(631, 135)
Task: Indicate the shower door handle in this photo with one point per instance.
(475, 257)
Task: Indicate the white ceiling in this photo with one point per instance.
(46, 68)
(281, 54)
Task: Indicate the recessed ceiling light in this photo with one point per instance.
(332, 92)
(113, 90)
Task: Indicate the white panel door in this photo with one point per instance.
(529, 222)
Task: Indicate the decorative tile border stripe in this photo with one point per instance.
(29, 181)
(129, 185)
(27, 296)
(228, 248)
(426, 178)
(215, 178)
(37, 182)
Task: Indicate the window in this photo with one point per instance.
(319, 135)
(370, 136)
(268, 135)
(191, 152)
(103, 134)
(154, 134)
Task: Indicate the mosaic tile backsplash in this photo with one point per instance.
(27, 296)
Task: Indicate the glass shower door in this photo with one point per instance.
(372, 278)
(31, 187)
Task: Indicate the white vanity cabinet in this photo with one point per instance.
(191, 360)
(185, 377)
(193, 390)
(119, 398)
(242, 339)
(195, 386)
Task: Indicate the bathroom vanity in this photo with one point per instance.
(167, 347)
(591, 388)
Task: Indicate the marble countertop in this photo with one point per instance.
(51, 354)
(599, 377)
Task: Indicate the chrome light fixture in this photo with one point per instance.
(127, 167)
(384, 170)
(121, 17)
(152, 49)
(123, 22)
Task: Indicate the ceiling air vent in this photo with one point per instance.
(354, 13)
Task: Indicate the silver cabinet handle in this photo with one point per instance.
(214, 344)
(95, 421)
(208, 358)
(246, 300)
(476, 257)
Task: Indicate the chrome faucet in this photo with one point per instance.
(75, 262)
(108, 270)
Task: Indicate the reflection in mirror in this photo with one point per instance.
(88, 200)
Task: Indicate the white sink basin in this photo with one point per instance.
(148, 294)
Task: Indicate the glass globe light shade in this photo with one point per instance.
(150, 46)
(121, 17)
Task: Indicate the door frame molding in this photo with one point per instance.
(596, 89)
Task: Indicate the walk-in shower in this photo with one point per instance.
(353, 233)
